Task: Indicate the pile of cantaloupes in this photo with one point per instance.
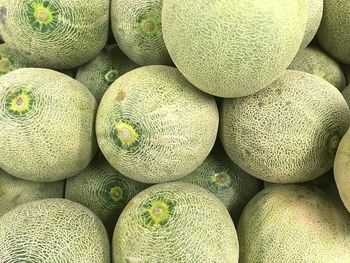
(190, 131)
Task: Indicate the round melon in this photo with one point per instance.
(99, 73)
(46, 125)
(59, 34)
(288, 132)
(315, 11)
(10, 60)
(137, 28)
(314, 61)
(103, 190)
(15, 191)
(233, 48)
(153, 126)
(175, 222)
(292, 223)
(53, 230)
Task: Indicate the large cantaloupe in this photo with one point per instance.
(10, 60)
(153, 126)
(175, 222)
(53, 230)
(46, 125)
(288, 132)
(292, 223)
(233, 48)
(315, 11)
(58, 34)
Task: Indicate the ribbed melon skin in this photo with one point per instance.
(55, 138)
(53, 230)
(315, 11)
(233, 48)
(10, 60)
(176, 124)
(76, 33)
(198, 229)
(288, 132)
(15, 191)
(94, 74)
(292, 223)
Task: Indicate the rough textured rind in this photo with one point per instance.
(103, 190)
(53, 230)
(233, 48)
(288, 132)
(59, 34)
(49, 135)
(292, 223)
(15, 191)
(10, 60)
(314, 61)
(346, 94)
(153, 126)
(137, 28)
(315, 11)
(196, 228)
(334, 31)
(99, 73)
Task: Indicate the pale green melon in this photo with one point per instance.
(53, 230)
(314, 61)
(10, 60)
(233, 48)
(15, 191)
(137, 28)
(346, 94)
(153, 126)
(46, 125)
(315, 11)
(99, 73)
(175, 222)
(292, 223)
(59, 34)
(103, 190)
(288, 132)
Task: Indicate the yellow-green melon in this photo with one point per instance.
(315, 11)
(10, 60)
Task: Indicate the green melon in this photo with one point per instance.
(315, 11)
(233, 186)
(292, 223)
(314, 61)
(288, 132)
(153, 126)
(233, 48)
(53, 230)
(58, 34)
(175, 222)
(334, 32)
(137, 28)
(103, 190)
(346, 94)
(10, 60)
(15, 191)
(98, 74)
(46, 125)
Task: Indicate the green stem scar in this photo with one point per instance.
(116, 193)
(221, 179)
(149, 24)
(157, 212)
(4, 66)
(126, 133)
(111, 76)
(19, 102)
(42, 15)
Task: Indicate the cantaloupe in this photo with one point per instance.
(59, 34)
(10, 60)
(289, 131)
(292, 223)
(315, 11)
(175, 222)
(153, 126)
(15, 191)
(103, 190)
(137, 28)
(346, 94)
(46, 125)
(233, 48)
(53, 230)
(99, 73)
(314, 61)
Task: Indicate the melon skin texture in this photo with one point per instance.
(292, 223)
(46, 125)
(53, 230)
(233, 48)
(59, 34)
(346, 94)
(137, 29)
(288, 132)
(10, 60)
(99, 73)
(314, 61)
(153, 126)
(103, 190)
(15, 191)
(315, 11)
(175, 222)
